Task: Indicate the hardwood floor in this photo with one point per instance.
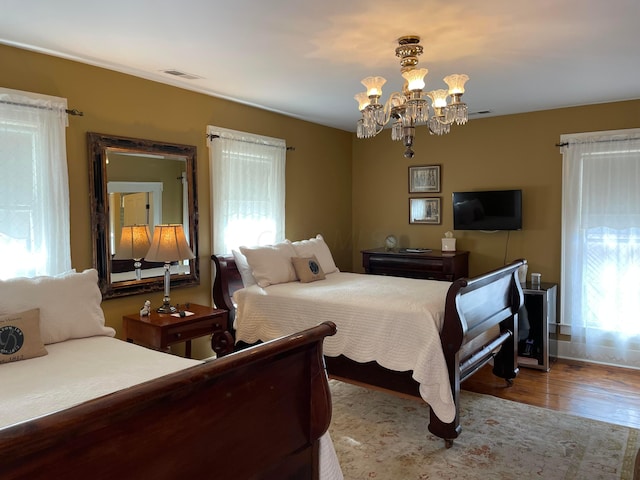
(600, 392)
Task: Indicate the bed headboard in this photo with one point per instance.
(227, 281)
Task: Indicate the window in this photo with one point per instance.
(600, 288)
(34, 192)
(248, 189)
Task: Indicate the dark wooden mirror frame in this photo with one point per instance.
(99, 144)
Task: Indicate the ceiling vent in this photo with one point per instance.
(178, 73)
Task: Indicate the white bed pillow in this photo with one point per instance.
(243, 268)
(271, 264)
(318, 247)
(69, 304)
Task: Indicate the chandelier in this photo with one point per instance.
(410, 108)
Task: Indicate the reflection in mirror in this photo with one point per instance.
(138, 184)
(135, 241)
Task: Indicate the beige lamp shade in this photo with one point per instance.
(169, 245)
(134, 242)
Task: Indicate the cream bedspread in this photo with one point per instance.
(79, 370)
(391, 320)
(76, 371)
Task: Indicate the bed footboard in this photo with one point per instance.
(475, 308)
(484, 307)
(254, 414)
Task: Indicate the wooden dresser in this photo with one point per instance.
(431, 264)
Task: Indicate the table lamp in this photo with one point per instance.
(168, 245)
(134, 243)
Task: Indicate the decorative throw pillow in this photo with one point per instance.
(243, 268)
(69, 304)
(316, 246)
(20, 336)
(308, 269)
(271, 264)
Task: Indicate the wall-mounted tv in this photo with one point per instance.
(487, 210)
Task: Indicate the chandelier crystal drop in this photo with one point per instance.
(410, 108)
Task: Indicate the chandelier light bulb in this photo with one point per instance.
(456, 83)
(363, 100)
(415, 79)
(374, 86)
(438, 98)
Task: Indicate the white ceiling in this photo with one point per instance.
(306, 59)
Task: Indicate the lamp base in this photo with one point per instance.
(166, 302)
(167, 309)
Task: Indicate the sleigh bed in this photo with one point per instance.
(378, 343)
(87, 405)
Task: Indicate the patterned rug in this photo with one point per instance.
(382, 436)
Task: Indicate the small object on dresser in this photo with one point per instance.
(144, 311)
(448, 242)
(390, 242)
(535, 280)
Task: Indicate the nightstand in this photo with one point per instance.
(161, 330)
(540, 304)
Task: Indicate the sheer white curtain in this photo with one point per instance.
(247, 188)
(34, 191)
(600, 283)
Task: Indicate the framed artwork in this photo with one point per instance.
(424, 179)
(425, 210)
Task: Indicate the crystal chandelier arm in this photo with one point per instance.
(375, 116)
(396, 100)
(456, 83)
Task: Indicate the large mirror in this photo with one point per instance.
(136, 184)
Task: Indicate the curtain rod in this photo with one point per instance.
(564, 144)
(211, 136)
(68, 111)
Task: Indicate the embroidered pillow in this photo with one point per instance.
(20, 336)
(308, 269)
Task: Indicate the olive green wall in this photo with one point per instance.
(514, 151)
(318, 196)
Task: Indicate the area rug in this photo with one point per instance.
(378, 435)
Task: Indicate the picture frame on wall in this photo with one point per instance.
(425, 210)
(424, 179)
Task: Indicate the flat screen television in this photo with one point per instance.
(487, 210)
